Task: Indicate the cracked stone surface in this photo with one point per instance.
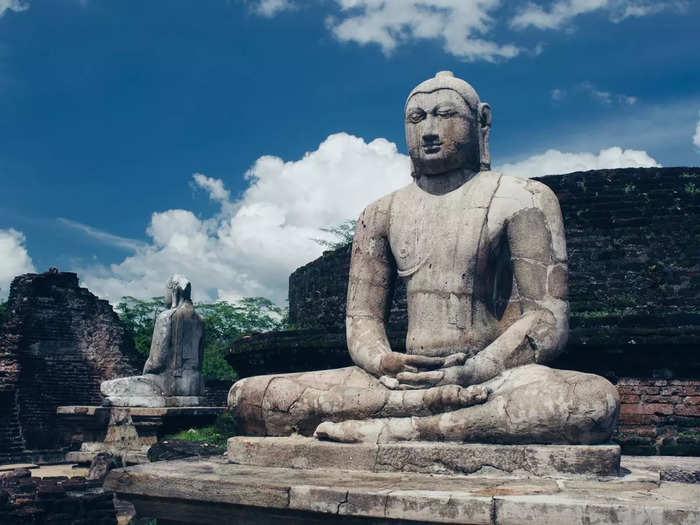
(562, 461)
(330, 493)
(484, 261)
(172, 375)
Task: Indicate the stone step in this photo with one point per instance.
(562, 461)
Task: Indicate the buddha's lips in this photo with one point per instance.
(432, 147)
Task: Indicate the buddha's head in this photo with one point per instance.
(177, 291)
(447, 127)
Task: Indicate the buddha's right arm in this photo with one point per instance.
(372, 274)
(160, 342)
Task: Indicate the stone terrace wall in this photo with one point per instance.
(58, 345)
(659, 416)
(632, 239)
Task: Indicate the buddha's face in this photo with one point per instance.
(441, 133)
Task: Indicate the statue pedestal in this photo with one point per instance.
(214, 491)
(559, 461)
(127, 432)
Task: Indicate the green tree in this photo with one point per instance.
(138, 317)
(342, 233)
(224, 322)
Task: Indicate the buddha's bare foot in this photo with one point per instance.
(381, 430)
(353, 431)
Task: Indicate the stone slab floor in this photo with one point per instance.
(214, 491)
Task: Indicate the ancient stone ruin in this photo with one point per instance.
(469, 416)
(57, 347)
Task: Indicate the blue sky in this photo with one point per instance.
(290, 114)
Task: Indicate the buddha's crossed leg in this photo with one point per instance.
(279, 405)
(527, 404)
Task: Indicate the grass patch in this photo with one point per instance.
(217, 434)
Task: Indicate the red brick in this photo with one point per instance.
(628, 389)
(692, 400)
(638, 419)
(646, 408)
(652, 390)
(687, 410)
(629, 398)
(662, 399)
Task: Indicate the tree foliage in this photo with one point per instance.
(342, 233)
(224, 322)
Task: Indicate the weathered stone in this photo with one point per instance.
(428, 457)
(475, 250)
(172, 375)
(59, 343)
(332, 494)
(102, 464)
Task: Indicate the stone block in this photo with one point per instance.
(428, 457)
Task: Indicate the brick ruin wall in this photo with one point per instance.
(58, 345)
(56, 500)
(632, 239)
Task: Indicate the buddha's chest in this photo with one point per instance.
(437, 240)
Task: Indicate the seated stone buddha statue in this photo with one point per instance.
(484, 260)
(172, 375)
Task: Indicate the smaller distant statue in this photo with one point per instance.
(172, 375)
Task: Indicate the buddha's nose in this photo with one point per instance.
(431, 138)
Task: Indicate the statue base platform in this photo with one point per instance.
(561, 461)
(214, 491)
(127, 432)
(155, 401)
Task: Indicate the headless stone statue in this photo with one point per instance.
(172, 375)
(485, 265)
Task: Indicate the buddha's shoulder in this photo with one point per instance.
(524, 193)
(384, 204)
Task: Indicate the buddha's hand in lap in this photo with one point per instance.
(393, 363)
(450, 374)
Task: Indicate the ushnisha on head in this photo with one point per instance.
(447, 127)
(177, 290)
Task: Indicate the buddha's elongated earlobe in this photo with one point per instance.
(484, 115)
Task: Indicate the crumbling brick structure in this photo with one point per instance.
(59, 343)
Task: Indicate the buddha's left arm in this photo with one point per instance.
(538, 251)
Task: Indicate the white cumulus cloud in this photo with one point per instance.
(464, 27)
(14, 259)
(252, 245)
(269, 8)
(554, 162)
(558, 14)
(696, 137)
(461, 25)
